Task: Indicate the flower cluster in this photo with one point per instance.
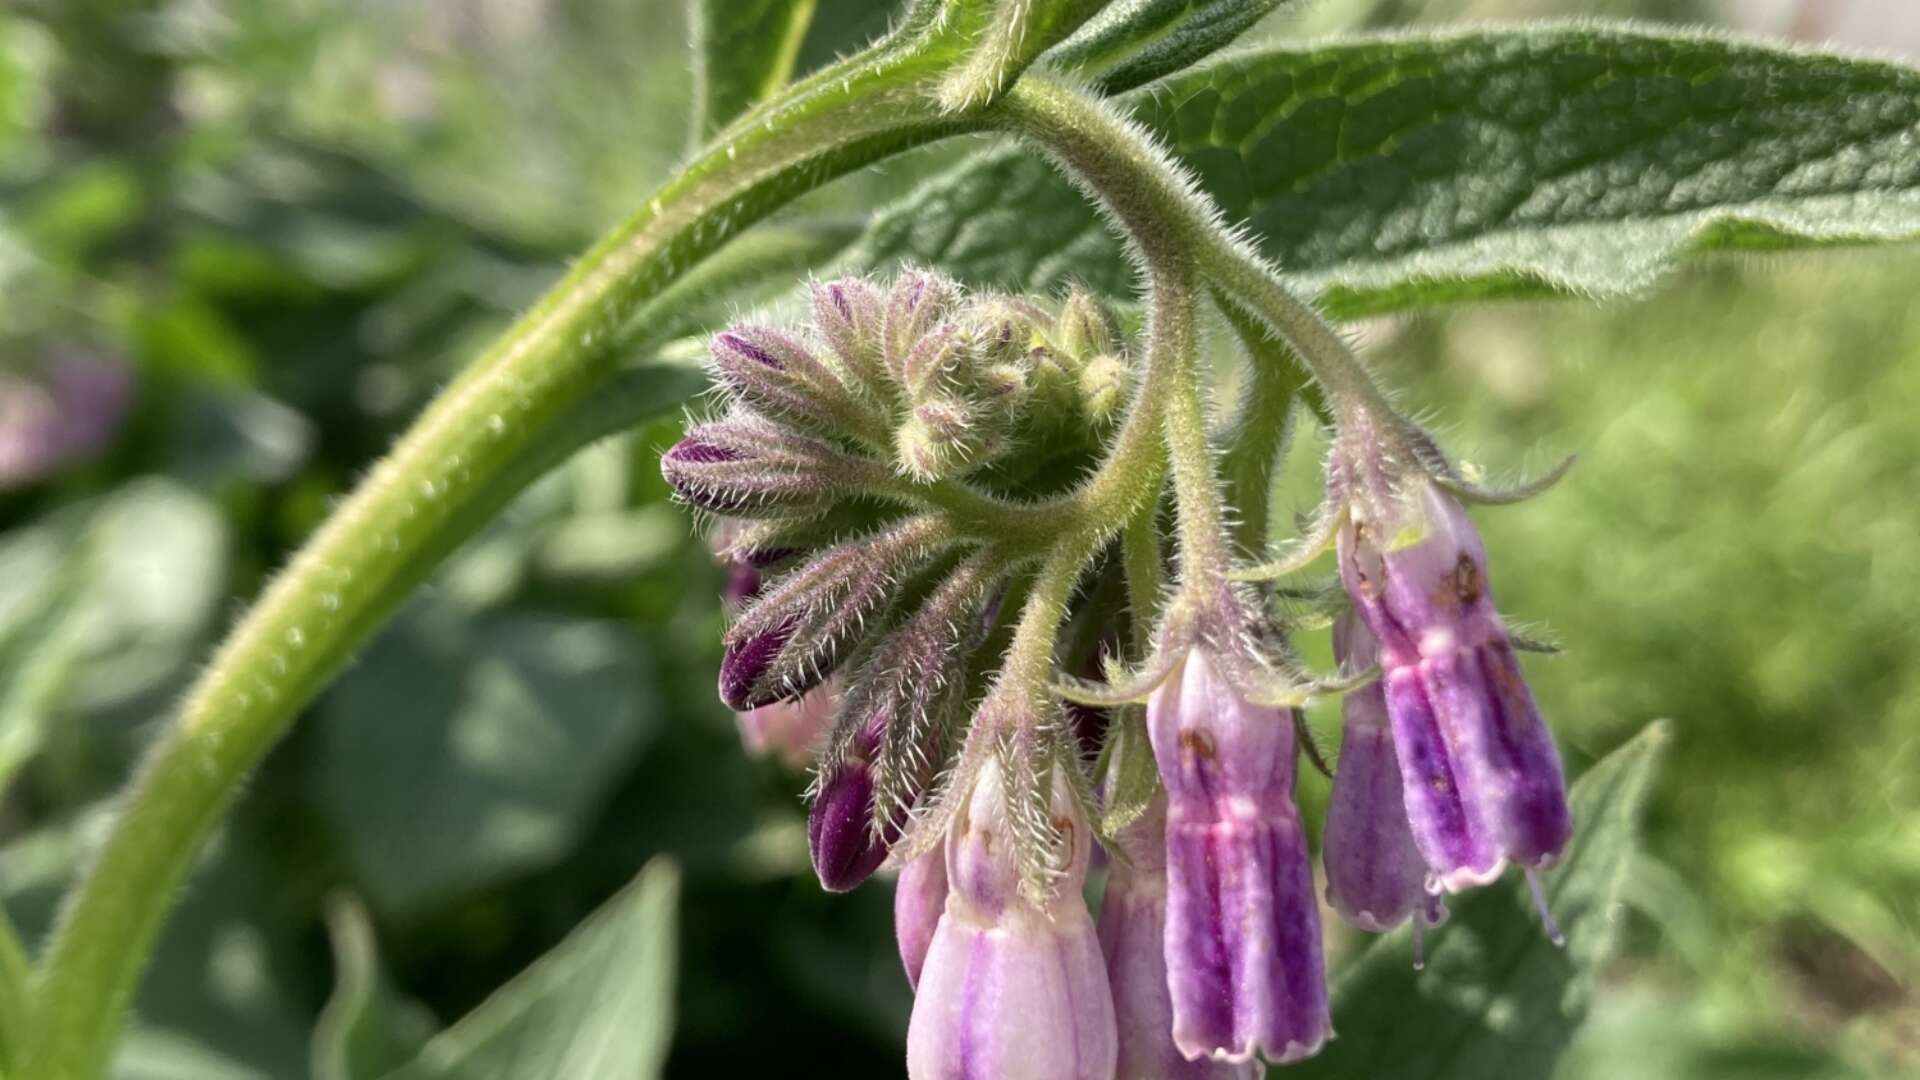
(825, 468)
(868, 607)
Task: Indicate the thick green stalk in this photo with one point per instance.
(367, 556)
(1152, 203)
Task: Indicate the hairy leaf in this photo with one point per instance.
(599, 1005)
(1138, 41)
(743, 51)
(1497, 998)
(1389, 172)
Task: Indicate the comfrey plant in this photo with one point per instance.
(872, 472)
(996, 543)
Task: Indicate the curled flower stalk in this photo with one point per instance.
(921, 451)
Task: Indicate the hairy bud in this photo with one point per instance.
(780, 376)
(848, 313)
(1105, 384)
(917, 303)
(803, 625)
(747, 466)
(1084, 328)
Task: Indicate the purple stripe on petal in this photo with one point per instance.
(1244, 962)
(1446, 822)
(736, 343)
(1504, 749)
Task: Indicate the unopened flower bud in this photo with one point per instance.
(747, 466)
(1011, 989)
(888, 738)
(840, 834)
(919, 898)
(1244, 962)
(1376, 878)
(1005, 329)
(943, 437)
(1084, 328)
(849, 314)
(801, 627)
(779, 376)
(917, 303)
(1105, 384)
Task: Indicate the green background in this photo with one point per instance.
(292, 221)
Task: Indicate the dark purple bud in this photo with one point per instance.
(1244, 964)
(1376, 877)
(747, 660)
(1011, 989)
(778, 375)
(919, 899)
(840, 832)
(803, 625)
(746, 466)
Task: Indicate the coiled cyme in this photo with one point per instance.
(867, 625)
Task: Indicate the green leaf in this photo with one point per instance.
(1138, 41)
(1497, 999)
(458, 752)
(1000, 218)
(743, 52)
(367, 1028)
(1558, 160)
(599, 1005)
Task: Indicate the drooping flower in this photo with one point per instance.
(1132, 927)
(1482, 780)
(1376, 878)
(1011, 989)
(1243, 952)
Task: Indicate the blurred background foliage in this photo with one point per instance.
(241, 244)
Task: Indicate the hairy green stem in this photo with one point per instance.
(1256, 439)
(1140, 561)
(368, 555)
(1160, 207)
